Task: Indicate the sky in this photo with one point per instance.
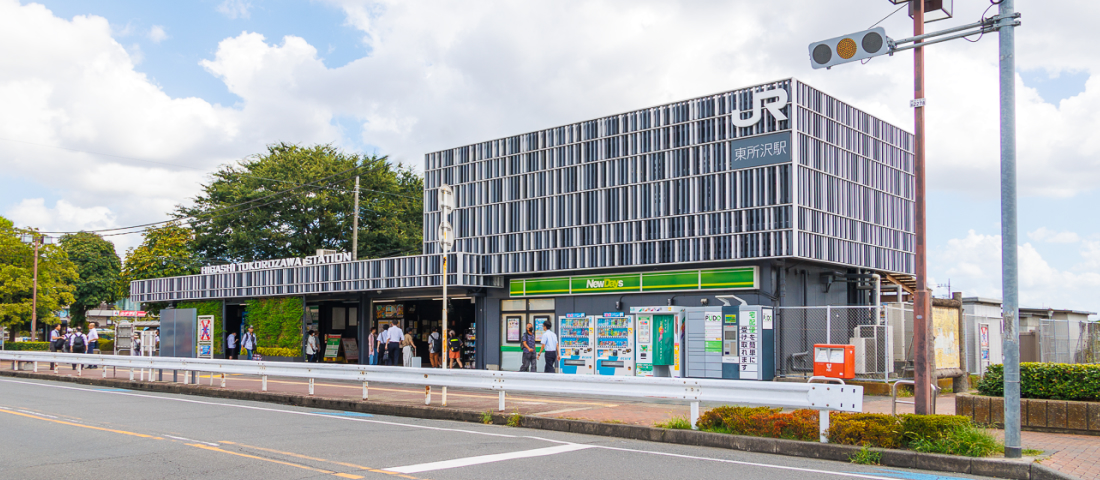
(114, 112)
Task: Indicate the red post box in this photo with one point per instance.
(835, 361)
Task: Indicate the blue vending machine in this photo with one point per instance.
(575, 345)
(614, 344)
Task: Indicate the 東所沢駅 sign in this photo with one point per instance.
(737, 278)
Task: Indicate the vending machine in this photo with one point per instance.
(575, 344)
(614, 344)
(657, 341)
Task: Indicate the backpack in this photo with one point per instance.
(78, 343)
(437, 343)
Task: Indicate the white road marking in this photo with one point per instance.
(497, 457)
(560, 442)
(193, 441)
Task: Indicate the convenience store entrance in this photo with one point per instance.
(421, 316)
(514, 317)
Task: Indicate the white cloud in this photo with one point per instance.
(1043, 234)
(235, 8)
(63, 215)
(157, 34)
(973, 263)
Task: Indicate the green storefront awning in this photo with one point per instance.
(737, 278)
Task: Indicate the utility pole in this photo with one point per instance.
(922, 324)
(355, 224)
(34, 296)
(1009, 266)
(446, 200)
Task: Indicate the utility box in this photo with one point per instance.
(835, 361)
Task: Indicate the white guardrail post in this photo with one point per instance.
(695, 391)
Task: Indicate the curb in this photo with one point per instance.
(890, 458)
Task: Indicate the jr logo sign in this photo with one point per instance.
(759, 103)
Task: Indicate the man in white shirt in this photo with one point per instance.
(550, 345)
(380, 347)
(93, 340)
(393, 343)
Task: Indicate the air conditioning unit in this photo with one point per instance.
(866, 355)
(872, 344)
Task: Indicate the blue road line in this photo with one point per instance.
(910, 475)
(112, 390)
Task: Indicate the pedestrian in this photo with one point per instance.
(383, 345)
(454, 346)
(248, 343)
(408, 350)
(78, 343)
(135, 345)
(312, 347)
(530, 356)
(231, 346)
(93, 340)
(550, 346)
(57, 340)
(65, 348)
(435, 348)
(372, 347)
(394, 337)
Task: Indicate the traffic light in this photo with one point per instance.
(849, 48)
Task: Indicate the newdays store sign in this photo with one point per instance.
(740, 278)
(280, 263)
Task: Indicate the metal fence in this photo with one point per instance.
(1069, 341)
(800, 328)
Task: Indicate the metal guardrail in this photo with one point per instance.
(847, 398)
(894, 395)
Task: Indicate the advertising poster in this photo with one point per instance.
(351, 349)
(983, 335)
(664, 336)
(513, 329)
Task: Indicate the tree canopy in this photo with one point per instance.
(292, 200)
(98, 268)
(56, 278)
(165, 251)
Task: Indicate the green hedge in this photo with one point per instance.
(278, 352)
(211, 307)
(890, 431)
(761, 422)
(277, 322)
(27, 346)
(1055, 381)
(106, 346)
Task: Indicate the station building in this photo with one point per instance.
(776, 193)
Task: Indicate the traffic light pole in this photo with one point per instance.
(922, 325)
(1009, 265)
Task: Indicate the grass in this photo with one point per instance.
(1030, 452)
(487, 417)
(678, 423)
(515, 419)
(613, 422)
(866, 456)
(967, 441)
(905, 391)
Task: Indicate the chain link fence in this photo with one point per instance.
(800, 328)
(1069, 341)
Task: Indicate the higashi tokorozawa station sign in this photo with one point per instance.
(279, 263)
(739, 278)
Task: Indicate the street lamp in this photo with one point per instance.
(446, 241)
(36, 240)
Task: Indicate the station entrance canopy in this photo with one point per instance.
(251, 279)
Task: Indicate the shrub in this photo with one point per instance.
(1056, 381)
(966, 440)
(866, 456)
(867, 429)
(27, 346)
(930, 428)
(278, 352)
(106, 347)
(761, 422)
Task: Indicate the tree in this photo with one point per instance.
(98, 267)
(292, 200)
(56, 278)
(166, 251)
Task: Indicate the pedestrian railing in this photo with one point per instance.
(822, 397)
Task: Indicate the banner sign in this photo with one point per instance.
(738, 278)
(280, 263)
(206, 328)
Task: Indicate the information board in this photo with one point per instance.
(351, 350)
(749, 339)
(712, 331)
(332, 346)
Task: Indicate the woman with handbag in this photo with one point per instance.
(408, 349)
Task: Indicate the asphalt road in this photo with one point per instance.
(54, 430)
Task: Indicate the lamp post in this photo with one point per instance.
(36, 240)
(446, 241)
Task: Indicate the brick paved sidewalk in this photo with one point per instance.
(1077, 455)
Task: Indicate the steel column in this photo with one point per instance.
(1009, 266)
